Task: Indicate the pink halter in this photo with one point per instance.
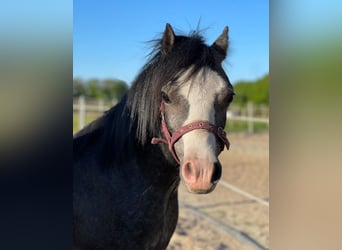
(170, 140)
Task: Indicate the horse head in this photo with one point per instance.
(193, 109)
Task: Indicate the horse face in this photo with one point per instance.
(203, 97)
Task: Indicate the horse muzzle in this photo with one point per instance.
(200, 176)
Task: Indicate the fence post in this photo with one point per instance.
(250, 113)
(82, 109)
(100, 105)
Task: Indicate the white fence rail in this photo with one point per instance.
(82, 107)
(244, 193)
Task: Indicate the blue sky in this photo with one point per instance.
(110, 36)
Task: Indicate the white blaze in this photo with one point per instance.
(201, 92)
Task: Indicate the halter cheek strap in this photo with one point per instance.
(170, 140)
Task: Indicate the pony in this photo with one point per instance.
(168, 127)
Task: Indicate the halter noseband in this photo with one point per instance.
(172, 139)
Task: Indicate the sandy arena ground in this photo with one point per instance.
(224, 219)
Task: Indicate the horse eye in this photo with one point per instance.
(231, 97)
(165, 97)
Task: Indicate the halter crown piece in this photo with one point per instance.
(170, 140)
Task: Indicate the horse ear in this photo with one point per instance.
(168, 39)
(221, 43)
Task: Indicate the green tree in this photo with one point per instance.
(78, 87)
(93, 89)
(114, 89)
(256, 92)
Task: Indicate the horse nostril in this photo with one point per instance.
(216, 173)
(188, 172)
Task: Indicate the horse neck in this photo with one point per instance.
(118, 140)
(152, 160)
